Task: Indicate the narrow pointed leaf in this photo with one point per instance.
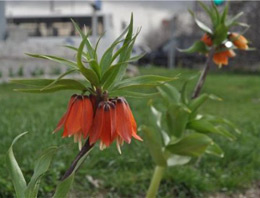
(132, 94)
(90, 75)
(57, 59)
(231, 21)
(220, 34)
(214, 149)
(38, 85)
(192, 145)
(177, 160)
(198, 46)
(177, 117)
(147, 80)
(63, 188)
(169, 93)
(15, 171)
(41, 167)
(60, 77)
(204, 126)
(153, 142)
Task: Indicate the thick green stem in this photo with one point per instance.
(155, 182)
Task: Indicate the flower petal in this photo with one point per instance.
(87, 117)
(123, 122)
(95, 130)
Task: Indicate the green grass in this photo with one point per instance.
(128, 175)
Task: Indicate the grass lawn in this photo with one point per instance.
(128, 175)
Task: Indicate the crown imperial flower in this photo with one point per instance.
(78, 118)
(207, 40)
(239, 41)
(221, 58)
(94, 116)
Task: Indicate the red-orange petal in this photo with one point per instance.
(207, 40)
(87, 117)
(123, 121)
(134, 126)
(97, 125)
(73, 123)
(106, 131)
(64, 117)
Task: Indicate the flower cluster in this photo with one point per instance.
(218, 38)
(222, 53)
(107, 120)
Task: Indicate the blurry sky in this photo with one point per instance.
(147, 14)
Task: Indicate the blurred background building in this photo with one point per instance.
(44, 26)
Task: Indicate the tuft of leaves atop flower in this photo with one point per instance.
(104, 75)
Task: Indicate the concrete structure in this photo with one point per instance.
(2, 20)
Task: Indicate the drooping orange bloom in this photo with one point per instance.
(221, 58)
(207, 40)
(239, 41)
(78, 118)
(113, 121)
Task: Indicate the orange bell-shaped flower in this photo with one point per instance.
(78, 119)
(113, 121)
(239, 41)
(207, 40)
(221, 58)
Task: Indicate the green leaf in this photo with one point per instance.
(140, 81)
(76, 26)
(220, 34)
(63, 187)
(96, 47)
(41, 167)
(117, 73)
(153, 141)
(198, 46)
(94, 65)
(132, 94)
(136, 58)
(217, 15)
(59, 78)
(15, 171)
(39, 84)
(177, 117)
(184, 96)
(32, 82)
(224, 14)
(231, 21)
(201, 25)
(218, 120)
(177, 160)
(109, 76)
(90, 75)
(204, 126)
(124, 57)
(196, 103)
(193, 145)
(156, 115)
(214, 149)
(208, 11)
(57, 59)
(85, 55)
(106, 59)
(169, 93)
